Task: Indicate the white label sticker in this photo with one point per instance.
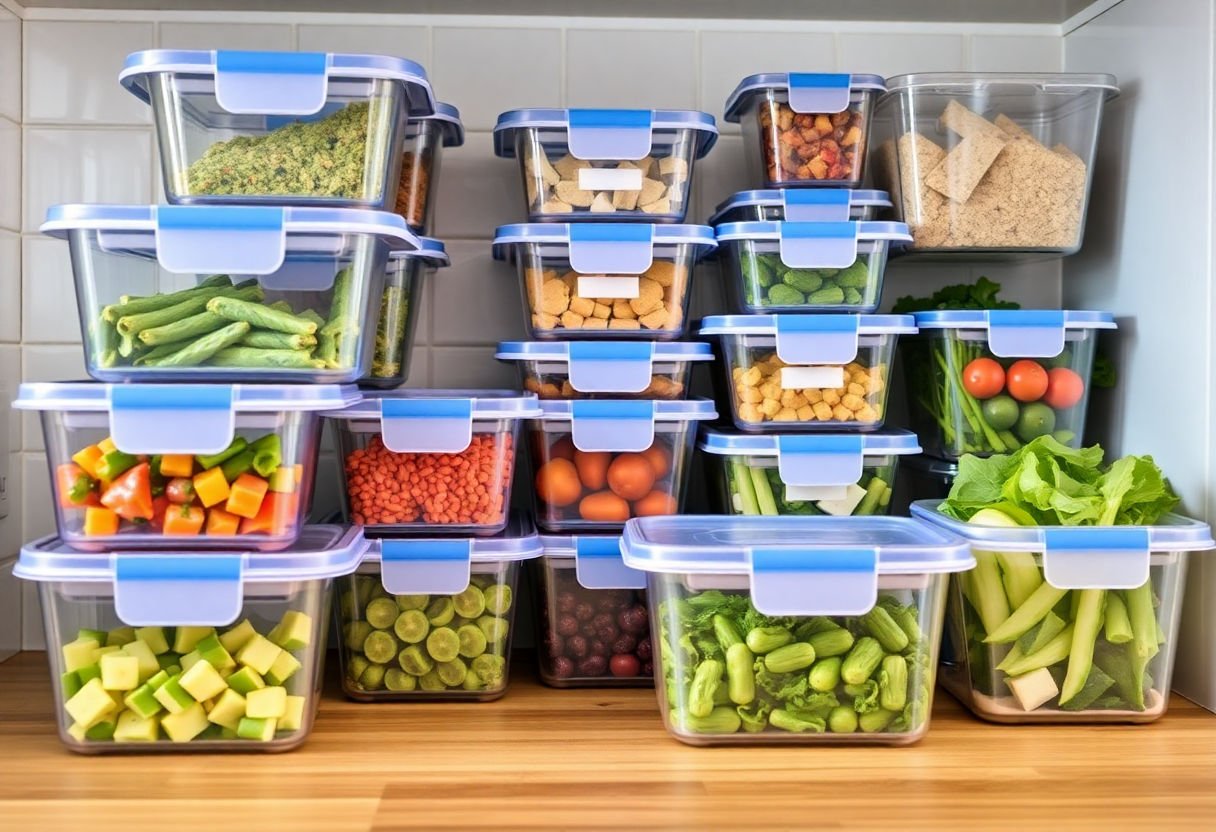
(794, 493)
(610, 179)
(801, 378)
(602, 286)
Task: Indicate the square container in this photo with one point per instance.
(838, 474)
(399, 311)
(171, 651)
(807, 266)
(988, 381)
(922, 477)
(605, 164)
(604, 281)
(1121, 584)
(804, 129)
(605, 369)
(433, 618)
(960, 148)
(427, 461)
(189, 466)
(218, 293)
(592, 621)
(807, 372)
(802, 630)
(598, 463)
(801, 205)
(285, 128)
(425, 139)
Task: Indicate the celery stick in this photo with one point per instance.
(1085, 634)
(1041, 633)
(1119, 664)
(992, 605)
(1022, 576)
(1143, 620)
(1096, 684)
(1015, 655)
(210, 461)
(1118, 625)
(741, 476)
(1036, 608)
(874, 492)
(1052, 652)
(764, 494)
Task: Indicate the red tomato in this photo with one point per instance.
(1064, 388)
(1027, 380)
(159, 506)
(984, 378)
(180, 490)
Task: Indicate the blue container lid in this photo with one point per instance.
(433, 251)
(596, 559)
(814, 461)
(815, 245)
(605, 134)
(775, 230)
(618, 425)
(810, 339)
(804, 204)
(448, 118)
(809, 92)
(604, 248)
(1019, 333)
(606, 366)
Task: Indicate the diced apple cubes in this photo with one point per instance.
(172, 696)
(1034, 689)
(284, 667)
(293, 632)
(187, 637)
(132, 727)
(266, 703)
(245, 680)
(185, 725)
(235, 639)
(228, 710)
(293, 714)
(79, 653)
(259, 653)
(119, 672)
(154, 637)
(202, 681)
(142, 653)
(90, 704)
(256, 729)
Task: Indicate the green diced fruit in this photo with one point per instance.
(431, 682)
(284, 667)
(498, 599)
(168, 660)
(70, 684)
(85, 674)
(245, 680)
(202, 681)
(471, 603)
(398, 680)
(381, 613)
(294, 631)
(380, 646)
(214, 654)
(154, 637)
(185, 639)
(120, 636)
(158, 678)
(443, 645)
(132, 727)
(142, 700)
(440, 611)
(79, 653)
(259, 653)
(185, 725)
(190, 659)
(372, 677)
(85, 634)
(119, 672)
(293, 715)
(103, 729)
(411, 626)
(90, 703)
(472, 641)
(173, 696)
(415, 661)
(266, 703)
(228, 710)
(143, 655)
(261, 730)
(236, 638)
(412, 602)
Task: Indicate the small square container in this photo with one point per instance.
(614, 165)
(838, 474)
(433, 618)
(425, 139)
(807, 266)
(189, 466)
(174, 651)
(961, 148)
(922, 477)
(284, 128)
(1012, 622)
(604, 281)
(593, 625)
(605, 369)
(427, 461)
(399, 311)
(227, 294)
(598, 463)
(804, 129)
(801, 205)
(988, 381)
(799, 630)
(807, 372)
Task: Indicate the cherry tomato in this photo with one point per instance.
(1027, 380)
(983, 378)
(1064, 388)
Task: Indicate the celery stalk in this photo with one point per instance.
(1022, 576)
(1085, 634)
(989, 593)
(764, 494)
(742, 478)
(1143, 620)
(869, 502)
(1034, 610)
(1118, 625)
(1052, 652)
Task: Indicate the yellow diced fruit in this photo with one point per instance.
(87, 458)
(133, 728)
(141, 652)
(185, 725)
(79, 653)
(176, 465)
(259, 653)
(187, 637)
(211, 487)
(261, 730)
(90, 704)
(190, 659)
(283, 480)
(107, 446)
(266, 703)
(77, 731)
(228, 710)
(202, 681)
(120, 636)
(119, 672)
(293, 715)
(236, 638)
(154, 637)
(293, 632)
(284, 667)
(105, 651)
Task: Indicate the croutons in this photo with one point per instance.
(557, 187)
(760, 397)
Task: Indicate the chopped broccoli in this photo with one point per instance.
(827, 296)
(804, 280)
(855, 276)
(782, 295)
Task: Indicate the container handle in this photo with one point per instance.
(439, 425)
(220, 239)
(792, 581)
(271, 83)
(1096, 558)
(178, 590)
(172, 418)
(598, 565)
(611, 248)
(600, 425)
(1026, 333)
(426, 567)
(817, 339)
(819, 92)
(816, 205)
(610, 134)
(817, 245)
(611, 367)
(820, 460)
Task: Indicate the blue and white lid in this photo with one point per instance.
(275, 83)
(606, 366)
(619, 425)
(816, 245)
(433, 251)
(808, 92)
(804, 204)
(148, 418)
(811, 339)
(448, 119)
(796, 565)
(1019, 333)
(597, 560)
(604, 134)
(604, 248)
(175, 588)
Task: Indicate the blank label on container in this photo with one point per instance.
(624, 287)
(610, 179)
(794, 493)
(801, 378)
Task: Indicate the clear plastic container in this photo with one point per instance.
(172, 651)
(807, 372)
(605, 369)
(427, 619)
(805, 129)
(988, 381)
(425, 139)
(961, 149)
(592, 623)
(126, 474)
(399, 311)
(427, 461)
(219, 293)
(807, 266)
(598, 463)
(801, 205)
(803, 630)
(1122, 584)
(288, 128)
(841, 474)
(921, 477)
(604, 281)
(614, 165)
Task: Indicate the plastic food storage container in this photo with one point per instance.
(1013, 623)
(922, 477)
(399, 311)
(804, 205)
(961, 148)
(803, 629)
(604, 369)
(604, 281)
(433, 618)
(431, 460)
(807, 266)
(840, 474)
(605, 164)
(988, 381)
(184, 465)
(805, 129)
(302, 128)
(598, 463)
(219, 293)
(425, 139)
(178, 651)
(593, 626)
(807, 372)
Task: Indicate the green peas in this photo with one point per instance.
(443, 644)
(498, 599)
(381, 613)
(470, 603)
(411, 626)
(412, 602)
(380, 646)
(414, 661)
(440, 611)
(472, 641)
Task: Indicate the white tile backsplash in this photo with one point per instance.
(1016, 53)
(71, 72)
(44, 362)
(10, 175)
(225, 36)
(638, 70)
(477, 190)
(721, 173)
(48, 293)
(10, 287)
(459, 367)
(477, 300)
(487, 71)
(895, 54)
(38, 517)
(84, 166)
(10, 65)
(413, 42)
(10, 419)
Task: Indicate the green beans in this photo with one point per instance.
(258, 315)
(205, 347)
(132, 305)
(278, 341)
(252, 357)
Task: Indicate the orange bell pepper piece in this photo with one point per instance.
(100, 522)
(130, 495)
(176, 465)
(276, 516)
(87, 458)
(184, 521)
(222, 523)
(246, 496)
(76, 489)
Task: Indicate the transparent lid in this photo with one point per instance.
(596, 559)
(816, 245)
(956, 83)
(604, 248)
(807, 92)
(605, 134)
(618, 425)
(804, 204)
(449, 117)
(827, 339)
(1017, 333)
(433, 251)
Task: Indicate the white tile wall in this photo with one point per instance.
(10, 66)
(10, 173)
(1014, 52)
(896, 54)
(12, 524)
(48, 309)
(225, 36)
(65, 165)
(413, 42)
(71, 72)
(10, 287)
(631, 69)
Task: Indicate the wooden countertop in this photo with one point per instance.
(600, 759)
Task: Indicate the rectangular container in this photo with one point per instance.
(807, 372)
(604, 281)
(433, 618)
(187, 466)
(805, 129)
(842, 474)
(227, 294)
(987, 381)
(801, 205)
(1131, 581)
(399, 311)
(425, 139)
(598, 463)
(921, 477)
(171, 651)
(614, 165)
(427, 461)
(807, 266)
(286, 128)
(604, 369)
(959, 148)
(803, 630)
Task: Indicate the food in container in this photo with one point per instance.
(801, 205)
(399, 311)
(604, 369)
(425, 139)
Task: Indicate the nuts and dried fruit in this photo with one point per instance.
(569, 185)
(760, 395)
(811, 146)
(658, 304)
